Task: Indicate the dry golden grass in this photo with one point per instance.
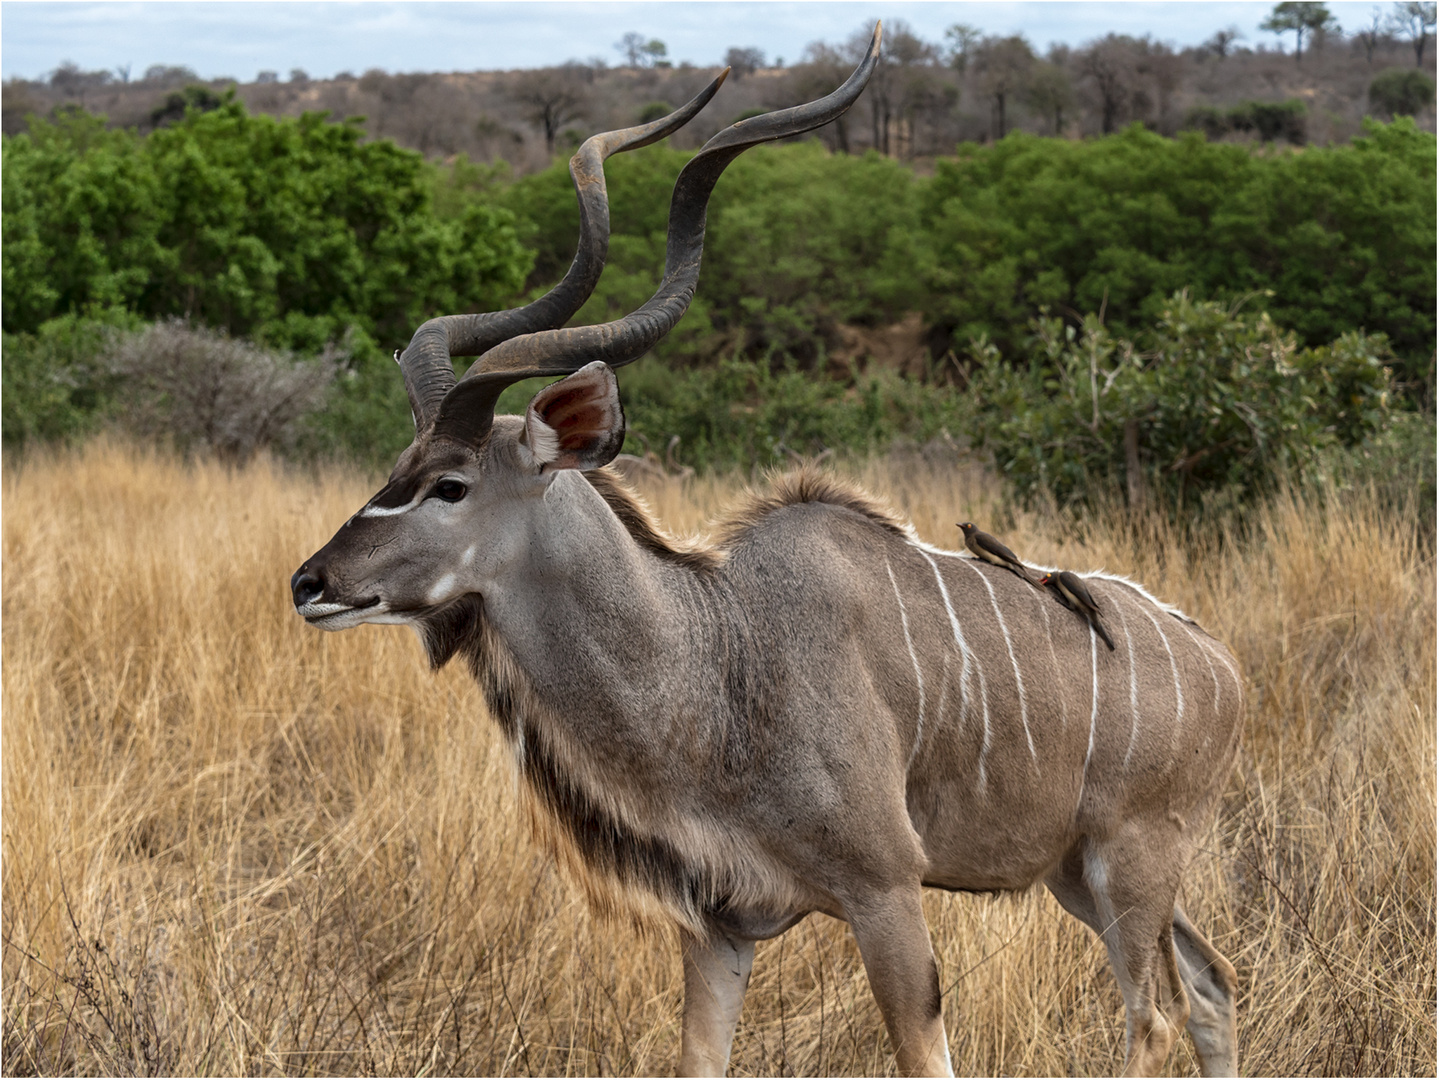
(233, 844)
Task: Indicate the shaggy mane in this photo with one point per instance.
(808, 484)
(640, 523)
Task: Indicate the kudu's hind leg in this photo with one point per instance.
(894, 943)
(1212, 986)
(1118, 891)
(716, 977)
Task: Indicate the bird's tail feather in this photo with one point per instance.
(1102, 632)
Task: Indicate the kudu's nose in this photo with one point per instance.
(306, 586)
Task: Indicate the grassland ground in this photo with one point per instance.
(232, 844)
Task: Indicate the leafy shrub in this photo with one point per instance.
(1213, 402)
(653, 111)
(1214, 122)
(1401, 92)
(287, 230)
(1271, 120)
(741, 413)
(1397, 462)
(177, 103)
(1343, 236)
(797, 241)
(57, 384)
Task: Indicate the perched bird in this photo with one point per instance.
(992, 551)
(1075, 595)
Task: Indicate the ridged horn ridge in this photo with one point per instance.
(468, 410)
(425, 362)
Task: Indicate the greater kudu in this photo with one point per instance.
(817, 712)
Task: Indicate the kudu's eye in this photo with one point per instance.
(450, 490)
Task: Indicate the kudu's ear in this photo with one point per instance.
(576, 423)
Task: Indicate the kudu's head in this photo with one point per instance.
(445, 523)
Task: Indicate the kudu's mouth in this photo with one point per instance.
(332, 616)
(307, 589)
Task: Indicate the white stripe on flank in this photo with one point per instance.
(1133, 686)
(1018, 679)
(966, 655)
(1213, 647)
(1059, 682)
(918, 675)
(1212, 673)
(1093, 716)
(1178, 691)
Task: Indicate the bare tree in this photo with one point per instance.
(1370, 36)
(74, 83)
(902, 51)
(1413, 20)
(550, 98)
(1003, 66)
(1156, 68)
(744, 61)
(822, 68)
(1302, 18)
(632, 48)
(170, 75)
(1129, 79)
(1049, 93)
(1223, 40)
(962, 38)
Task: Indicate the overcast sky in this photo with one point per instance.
(238, 40)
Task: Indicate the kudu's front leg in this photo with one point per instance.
(894, 942)
(716, 976)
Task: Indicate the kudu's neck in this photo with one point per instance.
(604, 630)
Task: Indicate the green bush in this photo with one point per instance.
(291, 231)
(798, 240)
(1217, 401)
(1271, 120)
(654, 110)
(57, 385)
(1344, 237)
(1397, 462)
(1401, 92)
(741, 413)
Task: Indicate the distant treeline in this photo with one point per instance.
(924, 98)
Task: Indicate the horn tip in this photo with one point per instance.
(719, 80)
